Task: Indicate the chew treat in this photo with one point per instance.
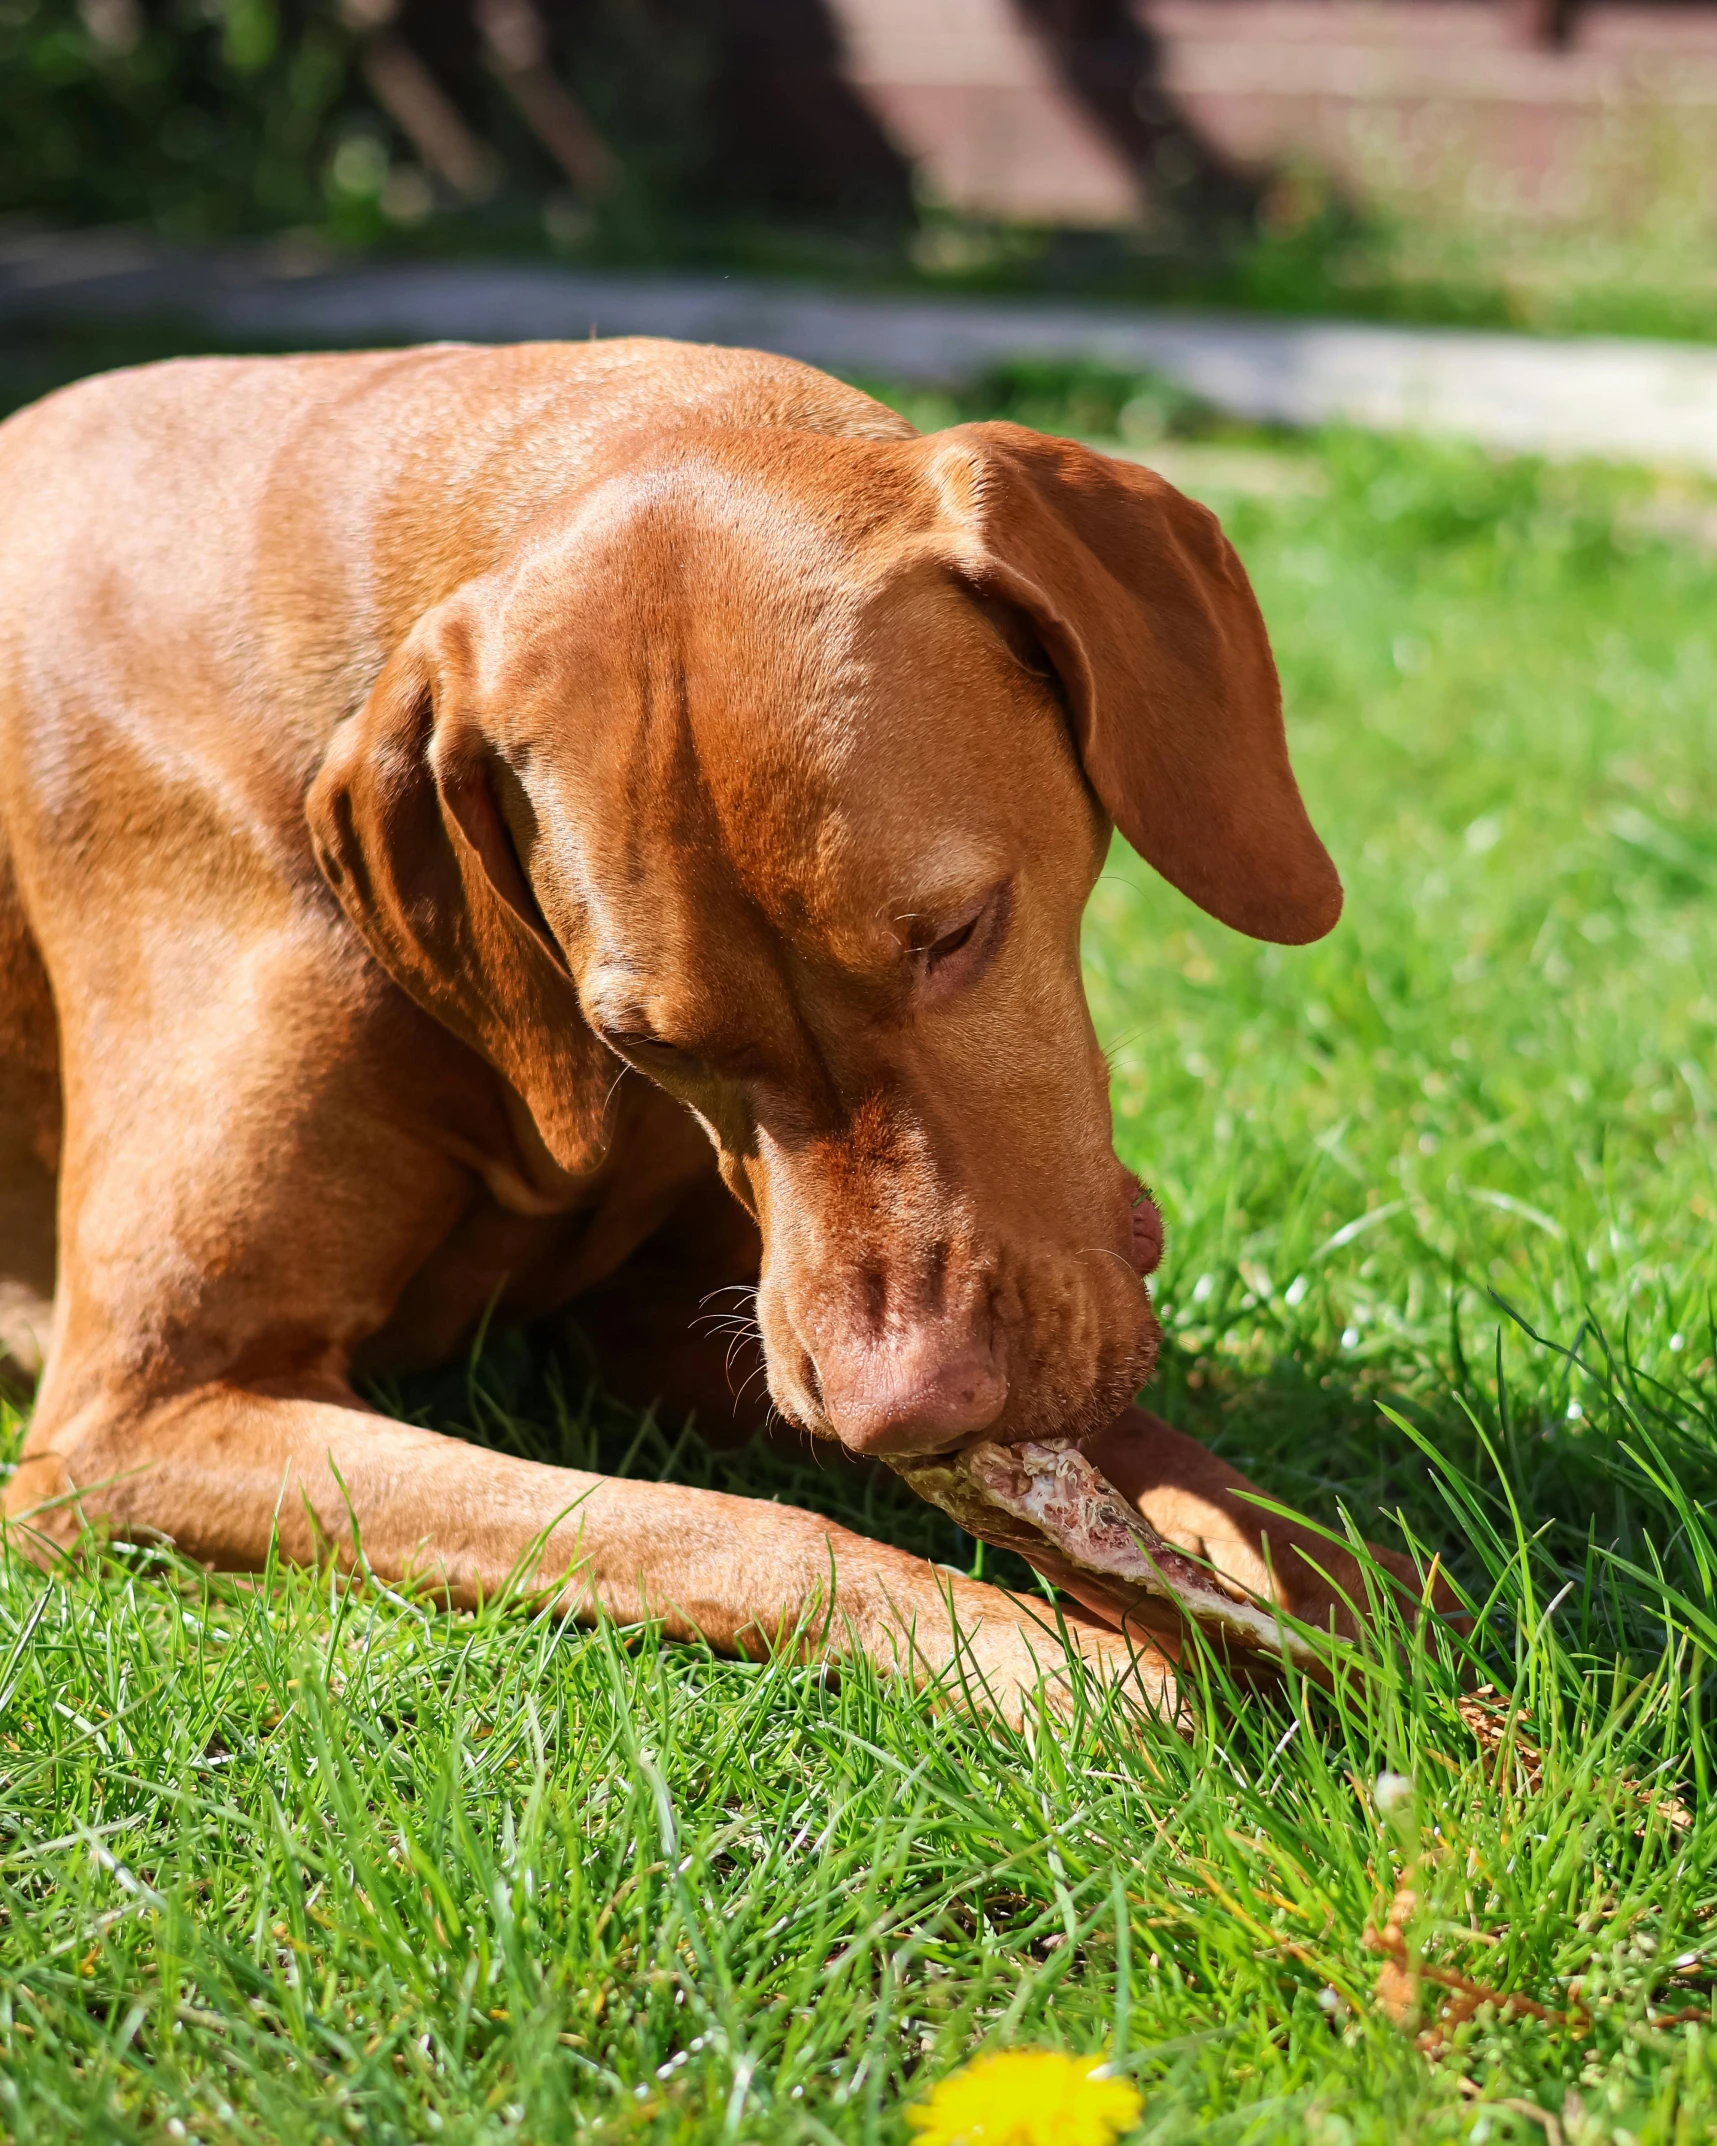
(1045, 1500)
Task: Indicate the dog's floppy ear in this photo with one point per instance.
(408, 834)
(1150, 624)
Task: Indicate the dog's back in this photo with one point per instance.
(246, 540)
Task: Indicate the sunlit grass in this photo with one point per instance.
(281, 1862)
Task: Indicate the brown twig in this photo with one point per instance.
(1399, 1980)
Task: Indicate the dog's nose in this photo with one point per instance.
(909, 1393)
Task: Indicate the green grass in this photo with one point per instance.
(292, 1861)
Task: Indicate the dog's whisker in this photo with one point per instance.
(729, 1289)
(721, 1322)
(738, 1342)
(1118, 1045)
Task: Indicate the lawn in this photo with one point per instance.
(299, 1861)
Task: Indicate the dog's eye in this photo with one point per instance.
(632, 1038)
(643, 1044)
(965, 947)
(951, 941)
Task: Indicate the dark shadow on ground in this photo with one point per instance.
(1308, 1428)
(1306, 1434)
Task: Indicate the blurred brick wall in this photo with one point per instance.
(970, 92)
(1525, 108)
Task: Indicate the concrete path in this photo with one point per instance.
(1620, 399)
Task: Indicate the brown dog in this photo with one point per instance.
(458, 810)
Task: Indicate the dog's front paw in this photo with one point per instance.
(1016, 1659)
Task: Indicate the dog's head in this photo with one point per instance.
(780, 767)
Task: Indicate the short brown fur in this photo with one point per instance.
(459, 809)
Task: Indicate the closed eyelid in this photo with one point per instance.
(962, 949)
(630, 1031)
(626, 1026)
(923, 926)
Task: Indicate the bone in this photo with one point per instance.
(1045, 1500)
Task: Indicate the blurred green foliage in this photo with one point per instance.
(208, 119)
(200, 120)
(1082, 401)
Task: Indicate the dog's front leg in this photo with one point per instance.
(220, 1470)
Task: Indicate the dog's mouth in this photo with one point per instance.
(1147, 1231)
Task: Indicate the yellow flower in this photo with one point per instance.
(1028, 2097)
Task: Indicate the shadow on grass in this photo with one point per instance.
(1566, 1455)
